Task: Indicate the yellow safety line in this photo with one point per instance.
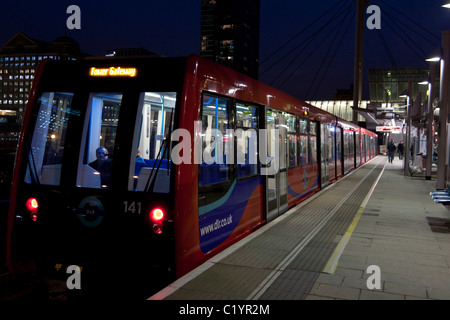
(333, 261)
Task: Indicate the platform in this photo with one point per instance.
(325, 247)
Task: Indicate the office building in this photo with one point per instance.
(230, 34)
(19, 58)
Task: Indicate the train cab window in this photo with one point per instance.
(150, 159)
(246, 133)
(214, 116)
(98, 140)
(47, 146)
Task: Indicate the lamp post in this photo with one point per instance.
(433, 58)
(409, 102)
(441, 181)
(430, 118)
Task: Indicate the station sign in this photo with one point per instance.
(391, 129)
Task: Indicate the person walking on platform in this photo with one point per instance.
(391, 150)
(400, 150)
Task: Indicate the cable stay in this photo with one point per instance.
(386, 48)
(428, 39)
(408, 43)
(414, 22)
(402, 26)
(330, 23)
(339, 12)
(336, 49)
(299, 33)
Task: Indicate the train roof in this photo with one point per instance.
(199, 71)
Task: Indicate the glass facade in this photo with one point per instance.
(386, 85)
(229, 34)
(19, 58)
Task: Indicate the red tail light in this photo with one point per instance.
(32, 206)
(157, 216)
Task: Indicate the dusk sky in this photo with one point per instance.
(172, 28)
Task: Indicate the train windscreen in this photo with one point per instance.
(46, 149)
(98, 140)
(150, 163)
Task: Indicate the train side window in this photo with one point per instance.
(312, 127)
(303, 149)
(303, 126)
(98, 140)
(214, 116)
(247, 137)
(47, 145)
(292, 138)
(150, 158)
(312, 143)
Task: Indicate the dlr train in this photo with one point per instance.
(138, 170)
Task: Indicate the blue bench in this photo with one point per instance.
(441, 196)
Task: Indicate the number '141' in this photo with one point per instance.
(133, 207)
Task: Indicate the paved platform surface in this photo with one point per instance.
(376, 234)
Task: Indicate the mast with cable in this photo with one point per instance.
(358, 66)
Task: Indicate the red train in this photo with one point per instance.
(139, 170)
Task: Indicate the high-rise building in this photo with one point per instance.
(19, 58)
(230, 34)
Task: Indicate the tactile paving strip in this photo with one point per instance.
(239, 274)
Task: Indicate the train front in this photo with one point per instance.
(93, 182)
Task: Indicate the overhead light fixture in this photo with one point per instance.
(404, 94)
(424, 82)
(436, 54)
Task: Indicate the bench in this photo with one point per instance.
(441, 196)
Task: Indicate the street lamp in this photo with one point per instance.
(446, 4)
(433, 58)
(436, 55)
(407, 94)
(441, 181)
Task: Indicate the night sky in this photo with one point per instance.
(172, 28)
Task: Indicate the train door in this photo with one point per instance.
(332, 154)
(364, 148)
(357, 143)
(276, 191)
(326, 148)
(339, 153)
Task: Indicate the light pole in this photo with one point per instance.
(432, 59)
(441, 181)
(409, 103)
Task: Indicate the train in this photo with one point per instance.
(138, 170)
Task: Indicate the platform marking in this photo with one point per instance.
(333, 262)
(179, 283)
(267, 282)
